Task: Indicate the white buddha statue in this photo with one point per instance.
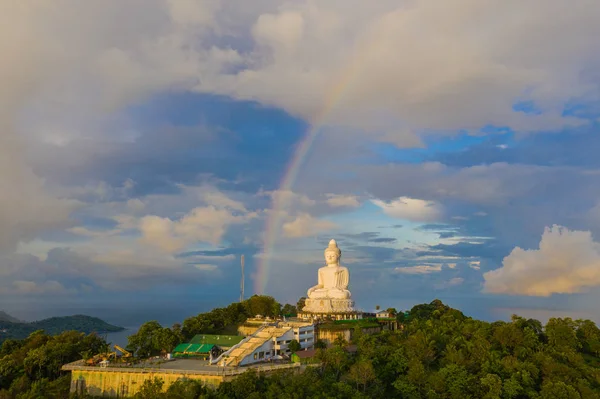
(333, 279)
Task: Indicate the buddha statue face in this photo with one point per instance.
(332, 254)
(332, 258)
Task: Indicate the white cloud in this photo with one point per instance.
(216, 198)
(420, 269)
(566, 262)
(63, 80)
(203, 224)
(305, 225)
(411, 209)
(452, 80)
(335, 200)
(27, 208)
(135, 205)
(69, 78)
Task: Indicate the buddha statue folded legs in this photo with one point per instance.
(329, 293)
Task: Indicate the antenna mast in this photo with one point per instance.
(242, 282)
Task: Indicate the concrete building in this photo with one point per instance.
(304, 332)
(383, 314)
(269, 342)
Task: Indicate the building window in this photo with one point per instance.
(261, 355)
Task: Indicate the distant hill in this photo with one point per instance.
(55, 326)
(6, 317)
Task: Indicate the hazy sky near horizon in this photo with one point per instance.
(146, 145)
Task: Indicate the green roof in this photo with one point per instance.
(221, 340)
(181, 348)
(193, 348)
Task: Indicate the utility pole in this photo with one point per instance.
(242, 282)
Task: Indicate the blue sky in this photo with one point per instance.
(140, 160)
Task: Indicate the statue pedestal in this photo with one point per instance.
(329, 309)
(327, 305)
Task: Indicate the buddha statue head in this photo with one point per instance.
(333, 254)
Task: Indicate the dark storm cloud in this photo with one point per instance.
(184, 136)
(568, 148)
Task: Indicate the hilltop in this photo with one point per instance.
(6, 317)
(438, 353)
(54, 326)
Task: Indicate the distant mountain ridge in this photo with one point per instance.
(6, 317)
(53, 326)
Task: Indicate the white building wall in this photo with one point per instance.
(260, 354)
(281, 342)
(305, 336)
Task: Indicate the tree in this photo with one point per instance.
(262, 305)
(301, 303)
(562, 333)
(151, 389)
(493, 386)
(558, 390)
(186, 389)
(440, 353)
(377, 307)
(294, 346)
(289, 310)
(167, 340)
(335, 358)
(177, 330)
(589, 336)
(362, 373)
(320, 344)
(147, 341)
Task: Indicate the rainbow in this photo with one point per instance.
(280, 203)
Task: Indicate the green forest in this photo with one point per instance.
(439, 353)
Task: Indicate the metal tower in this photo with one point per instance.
(242, 282)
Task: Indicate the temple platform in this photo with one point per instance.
(313, 316)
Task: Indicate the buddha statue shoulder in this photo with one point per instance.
(333, 279)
